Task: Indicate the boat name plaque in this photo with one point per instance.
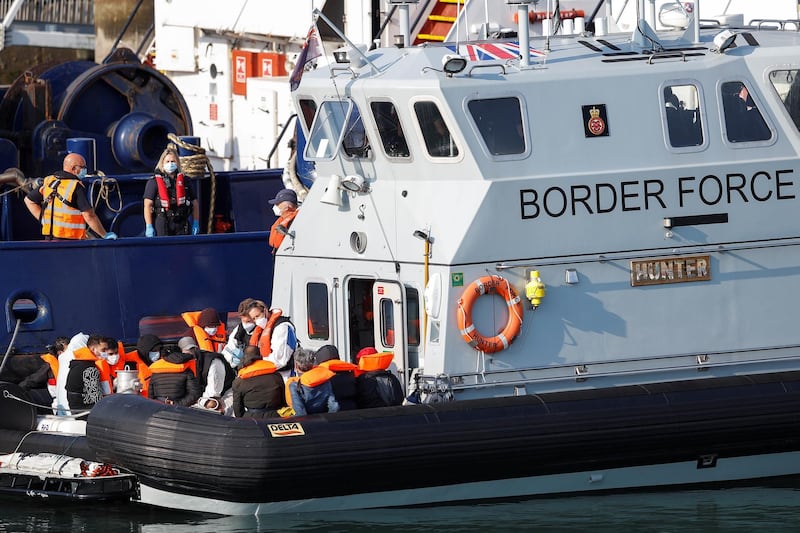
(292, 429)
(660, 271)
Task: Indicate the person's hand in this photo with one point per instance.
(149, 231)
(110, 235)
(195, 227)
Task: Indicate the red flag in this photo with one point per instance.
(312, 49)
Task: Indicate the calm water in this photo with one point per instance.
(740, 510)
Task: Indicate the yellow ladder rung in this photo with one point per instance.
(428, 37)
(452, 1)
(441, 18)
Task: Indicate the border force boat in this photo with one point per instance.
(581, 252)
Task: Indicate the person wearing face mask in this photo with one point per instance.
(133, 361)
(169, 199)
(284, 205)
(61, 205)
(148, 351)
(206, 328)
(275, 337)
(88, 378)
(239, 336)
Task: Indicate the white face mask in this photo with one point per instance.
(171, 167)
(112, 359)
(249, 327)
(261, 322)
(276, 210)
(210, 331)
(154, 356)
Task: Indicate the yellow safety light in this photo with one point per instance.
(535, 289)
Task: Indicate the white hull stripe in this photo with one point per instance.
(663, 475)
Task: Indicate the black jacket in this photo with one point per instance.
(379, 388)
(181, 388)
(258, 396)
(204, 360)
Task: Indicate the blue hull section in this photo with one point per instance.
(113, 287)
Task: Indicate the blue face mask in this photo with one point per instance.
(154, 356)
(82, 173)
(170, 167)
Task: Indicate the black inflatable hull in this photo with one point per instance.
(192, 453)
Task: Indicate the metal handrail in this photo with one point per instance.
(50, 11)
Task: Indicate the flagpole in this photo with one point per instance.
(318, 14)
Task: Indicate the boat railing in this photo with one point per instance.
(48, 11)
(49, 23)
(728, 363)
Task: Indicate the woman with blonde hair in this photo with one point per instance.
(169, 199)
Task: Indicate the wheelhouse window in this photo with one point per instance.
(682, 110)
(787, 85)
(438, 140)
(391, 132)
(743, 120)
(355, 142)
(327, 130)
(499, 120)
(317, 309)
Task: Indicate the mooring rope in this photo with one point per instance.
(195, 166)
(12, 396)
(104, 193)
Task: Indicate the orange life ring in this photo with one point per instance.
(488, 285)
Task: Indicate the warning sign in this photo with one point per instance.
(213, 112)
(266, 66)
(241, 69)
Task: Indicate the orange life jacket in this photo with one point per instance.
(287, 392)
(262, 337)
(85, 354)
(143, 371)
(209, 343)
(165, 367)
(51, 360)
(60, 217)
(258, 368)
(337, 365)
(275, 236)
(163, 194)
(375, 361)
(316, 376)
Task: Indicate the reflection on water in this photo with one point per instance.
(746, 509)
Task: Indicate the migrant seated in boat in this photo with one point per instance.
(344, 379)
(88, 377)
(312, 393)
(258, 390)
(376, 385)
(174, 379)
(169, 199)
(743, 120)
(274, 335)
(206, 328)
(240, 335)
(61, 205)
(41, 384)
(284, 205)
(215, 376)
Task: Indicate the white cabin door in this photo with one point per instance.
(389, 305)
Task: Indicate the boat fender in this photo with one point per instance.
(487, 285)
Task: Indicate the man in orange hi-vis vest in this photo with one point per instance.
(61, 206)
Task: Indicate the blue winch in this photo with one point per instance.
(128, 108)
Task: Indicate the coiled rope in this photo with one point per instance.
(107, 186)
(195, 166)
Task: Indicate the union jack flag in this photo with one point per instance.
(490, 51)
